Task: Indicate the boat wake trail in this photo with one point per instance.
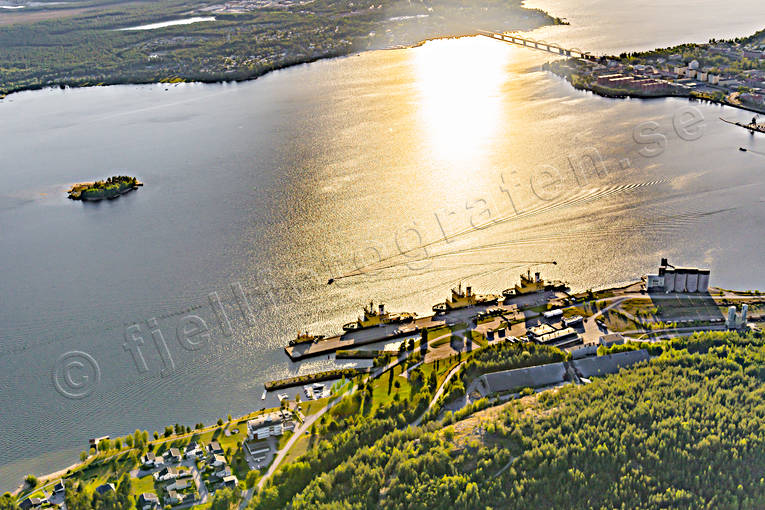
(582, 198)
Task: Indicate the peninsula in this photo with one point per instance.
(729, 72)
(111, 188)
(105, 42)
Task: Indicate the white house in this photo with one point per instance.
(218, 461)
(267, 425)
(150, 461)
(168, 473)
(178, 485)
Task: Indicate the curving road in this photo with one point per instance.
(438, 394)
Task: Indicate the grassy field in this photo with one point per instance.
(143, 484)
(669, 309)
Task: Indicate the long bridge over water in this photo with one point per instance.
(538, 45)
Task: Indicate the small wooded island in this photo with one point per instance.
(110, 188)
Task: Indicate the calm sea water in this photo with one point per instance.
(274, 186)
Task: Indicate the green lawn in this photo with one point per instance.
(380, 393)
(141, 485)
(299, 448)
(311, 406)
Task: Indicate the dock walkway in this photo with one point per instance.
(358, 338)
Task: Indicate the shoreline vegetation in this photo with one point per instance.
(724, 72)
(75, 49)
(419, 393)
(493, 433)
(613, 93)
(109, 189)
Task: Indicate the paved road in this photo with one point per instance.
(670, 331)
(438, 394)
(312, 418)
(592, 331)
(246, 497)
(298, 433)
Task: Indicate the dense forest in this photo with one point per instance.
(686, 430)
(84, 42)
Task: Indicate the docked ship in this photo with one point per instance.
(530, 284)
(378, 317)
(465, 299)
(306, 338)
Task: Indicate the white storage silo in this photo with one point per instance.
(669, 281)
(680, 281)
(731, 322)
(692, 281)
(703, 280)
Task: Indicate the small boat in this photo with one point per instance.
(263, 397)
(283, 396)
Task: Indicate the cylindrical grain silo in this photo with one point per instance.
(692, 281)
(703, 280)
(680, 281)
(669, 280)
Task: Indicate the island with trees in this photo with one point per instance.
(111, 188)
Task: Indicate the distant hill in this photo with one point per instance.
(93, 42)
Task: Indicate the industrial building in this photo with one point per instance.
(547, 334)
(677, 279)
(734, 320)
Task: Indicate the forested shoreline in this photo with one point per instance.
(93, 48)
(683, 431)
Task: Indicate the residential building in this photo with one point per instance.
(214, 448)
(173, 455)
(167, 473)
(105, 488)
(150, 461)
(31, 503)
(148, 501)
(179, 485)
(230, 481)
(218, 461)
(267, 425)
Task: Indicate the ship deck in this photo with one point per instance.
(371, 335)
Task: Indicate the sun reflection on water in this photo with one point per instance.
(460, 97)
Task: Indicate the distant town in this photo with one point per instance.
(729, 72)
